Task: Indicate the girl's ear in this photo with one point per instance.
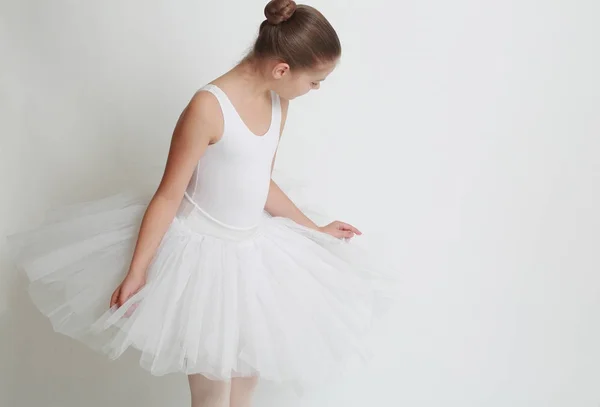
(280, 70)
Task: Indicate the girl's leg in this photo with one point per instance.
(208, 393)
(242, 389)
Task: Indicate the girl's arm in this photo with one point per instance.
(278, 203)
(200, 124)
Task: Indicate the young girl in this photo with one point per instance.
(219, 275)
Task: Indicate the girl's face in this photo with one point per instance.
(289, 85)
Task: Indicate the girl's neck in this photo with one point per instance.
(249, 77)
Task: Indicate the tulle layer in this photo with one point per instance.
(283, 302)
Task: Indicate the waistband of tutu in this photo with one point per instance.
(195, 219)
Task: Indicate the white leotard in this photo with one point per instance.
(231, 181)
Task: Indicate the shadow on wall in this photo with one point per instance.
(46, 368)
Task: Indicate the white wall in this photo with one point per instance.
(466, 131)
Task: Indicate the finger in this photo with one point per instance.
(344, 234)
(346, 226)
(130, 310)
(355, 230)
(122, 299)
(338, 234)
(115, 297)
(348, 234)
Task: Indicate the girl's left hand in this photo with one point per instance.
(340, 230)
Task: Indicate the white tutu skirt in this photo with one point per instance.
(282, 302)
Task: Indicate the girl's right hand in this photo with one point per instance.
(129, 287)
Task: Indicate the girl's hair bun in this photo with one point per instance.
(299, 35)
(278, 11)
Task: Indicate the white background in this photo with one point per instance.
(466, 132)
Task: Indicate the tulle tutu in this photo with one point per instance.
(283, 301)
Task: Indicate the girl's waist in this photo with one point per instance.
(198, 220)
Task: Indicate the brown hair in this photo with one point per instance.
(297, 34)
